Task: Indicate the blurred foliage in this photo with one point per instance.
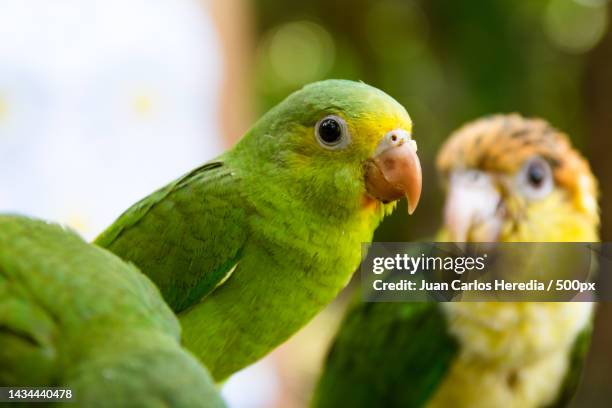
(447, 62)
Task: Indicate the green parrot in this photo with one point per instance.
(75, 316)
(509, 179)
(250, 246)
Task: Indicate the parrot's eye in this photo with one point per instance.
(536, 175)
(535, 178)
(331, 132)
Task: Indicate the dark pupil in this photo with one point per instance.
(536, 174)
(329, 131)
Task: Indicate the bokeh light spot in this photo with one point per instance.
(592, 3)
(300, 52)
(4, 110)
(575, 26)
(142, 104)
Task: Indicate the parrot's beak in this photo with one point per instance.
(474, 210)
(395, 171)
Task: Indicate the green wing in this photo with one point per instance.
(73, 315)
(186, 236)
(387, 355)
(50, 280)
(576, 364)
(27, 332)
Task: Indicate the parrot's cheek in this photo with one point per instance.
(394, 173)
(474, 210)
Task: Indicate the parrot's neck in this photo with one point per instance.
(293, 265)
(516, 354)
(511, 354)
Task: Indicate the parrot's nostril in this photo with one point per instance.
(393, 139)
(398, 137)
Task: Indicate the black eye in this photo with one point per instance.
(536, 174)
(535, 179)
(331, 132)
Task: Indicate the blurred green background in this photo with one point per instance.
(446, 62)
(449, 62)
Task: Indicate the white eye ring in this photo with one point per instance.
(332, 132)
(535, 179)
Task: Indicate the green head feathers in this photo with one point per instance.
(320, 141)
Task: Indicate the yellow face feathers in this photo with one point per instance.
(503, 143)
(526, 174)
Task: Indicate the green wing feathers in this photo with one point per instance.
(186, 236)
(386, 354)
(577, 359)
(74, 315)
